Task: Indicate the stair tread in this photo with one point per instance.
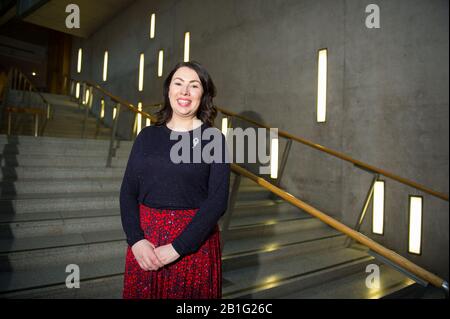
(17, 197)
(56, 274)
(30, 217)
(244, 278)
(43, 242)
(269, 242)
(353, 286)
(264, 219)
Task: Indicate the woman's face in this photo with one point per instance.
(185, 92)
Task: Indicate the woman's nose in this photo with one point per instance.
(185, 90)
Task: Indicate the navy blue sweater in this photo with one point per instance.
(154, 180)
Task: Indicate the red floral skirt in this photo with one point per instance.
(195, 276)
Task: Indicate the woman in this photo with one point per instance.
(169, 209)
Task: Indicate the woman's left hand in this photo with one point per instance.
(166, 254)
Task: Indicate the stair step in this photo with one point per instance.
(62, 186)
(245, 282)
(58, 160)
(12, 150)
(57, 141)
(56, 241)
(16, 231)
(38, 203)
(245, 242)
(109, 287)
(353, 286)
(49, 216)
(30, 172)
(53, 275)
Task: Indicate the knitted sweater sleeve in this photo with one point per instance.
(129, 192)
(204, 221)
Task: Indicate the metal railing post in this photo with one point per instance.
(113, 137)
(229, 213)
(284, 158)
(36, 125)
(362, 214)
(9, 122)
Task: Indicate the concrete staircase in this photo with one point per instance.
(59, 205)
(67, 117)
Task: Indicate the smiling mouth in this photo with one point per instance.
(184, 103)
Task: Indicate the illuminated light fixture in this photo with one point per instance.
(187, 40)
(378, 208)
(152, 26)
(271, 281)
(148, 122)
(225, 126)
(141, 72)
(80, 56)
(86, 96)
(160, 62)
(274, 157)
(139, 118)
(114, 112)
(271, 247)
(322, 86)
(91, 97)
(77, 90)
(33, 73)
(105, 66)
(102, 111)
(415, 224)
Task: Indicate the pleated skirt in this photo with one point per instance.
(195, 276)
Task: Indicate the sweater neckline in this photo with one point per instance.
(189, 131)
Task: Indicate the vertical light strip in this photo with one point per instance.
(274, 155)
(148, 122)
(80, 56)
(187, 40)
(114, 112)
(160, 63)
(77, 90)
(102, 111)
(152, 26)
(91, 97)
(86, 96)
(225, 126)
(378, 208)
(415, 225)
(139, 119)
(105, 66)
(322, 86)
(141, 72)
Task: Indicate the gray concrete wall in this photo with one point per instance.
(388, 100)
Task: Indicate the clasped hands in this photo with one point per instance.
(150, 257)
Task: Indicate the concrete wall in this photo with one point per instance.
(388, 99)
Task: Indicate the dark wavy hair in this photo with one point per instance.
(206, 112)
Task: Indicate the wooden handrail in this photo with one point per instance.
(33, 88)
(117, 99)
(364, 240)
(282, 133)
(344, 157)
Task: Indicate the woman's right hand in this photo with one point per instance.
(144, 253)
